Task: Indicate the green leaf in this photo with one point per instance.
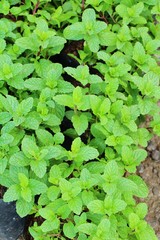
(48, 225)
(29, 148)
(4, 7)
(121, 10)
(124, 140)
(141, 210)
(80, 123)
(75, 204)
(26, 194)
(31, 122)
(55, 174)
(39, 167)
(142, 189)
(133, 220)
(93, 43)
(140, 155)
(3, 164)
(105, 106)
(10, 104)
(141, 137)
(32, 43)
(2, 45)
(53, 192)
(23, 208)
(118, 205)
(56, 44)
(69, 231)
(12, 194)
(139, 53)
(87, 197)
(5, 117)
(152, 46)
(47, 213)
(25, 106)
(87, 153)
(108, 38)
(37, 187)
(126, 185)
(74, 31)
(88, 16)
(96, 206)
(53, 152)
(6, 139)
(111, 171)
(64, 100)
(76, 144)
(34, 84)
(44, 137)
(77, 96)
(58, 138)
(87, 228)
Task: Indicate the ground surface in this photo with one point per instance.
(150, 172)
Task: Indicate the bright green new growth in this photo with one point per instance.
(70, 134)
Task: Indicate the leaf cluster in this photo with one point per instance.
(70, 137)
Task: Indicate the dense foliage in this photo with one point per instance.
(70, 135)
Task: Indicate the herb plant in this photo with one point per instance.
(71, 137)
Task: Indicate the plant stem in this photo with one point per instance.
(36, 7)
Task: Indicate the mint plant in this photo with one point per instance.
(71, 137)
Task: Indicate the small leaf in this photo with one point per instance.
(26, 194)
(96, 206)
(87, 153)
(29, 148)
(118, 205)
(89, 16)
(37, 187)
(48, 225)
(5, 117)
(75, 204)
(23, 208)
(141, 210)
(133, 220)
(34, 84)
(74, 31)
(64, 100)
(142, 189)
(87, 228)
(39, 167)
(12, 194)
(80, 123)
(6, 139)
(44, 137)
(69, 231)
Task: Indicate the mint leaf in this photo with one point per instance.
(68, 230)
(37, 187)
(29, 148)
(5, 117)
(142, 190)
(96, 206)
(34, 84)
(12, 194)
(80, 123)
(87, 153)
(75, 205)
(87, 228)
(23, 208)
(39, 167)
